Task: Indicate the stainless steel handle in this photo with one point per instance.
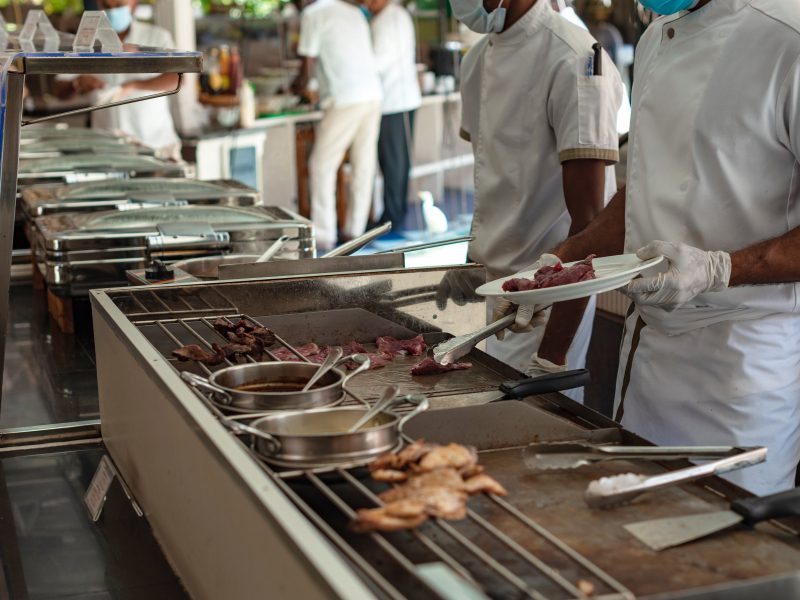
(88, 109)
(359, 242)
(205, 384)
(717, 467)
(429, 245)
(387, 399)
(273, 443)
(364, 365)
(276, 247)
(330, 362)
(422, 403)
(453, 349)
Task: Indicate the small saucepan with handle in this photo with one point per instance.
(303, 439)
(266, 386)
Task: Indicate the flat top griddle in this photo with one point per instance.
(340, 326)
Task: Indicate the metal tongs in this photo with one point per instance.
(450, 351)
(571, 455)
(619, 489)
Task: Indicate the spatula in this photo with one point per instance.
(660, 534)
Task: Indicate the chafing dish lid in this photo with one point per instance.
(147, 218)
(95, 145)
(93, 161)
(130, 187)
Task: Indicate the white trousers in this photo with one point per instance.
(516, 349)
(356, 127)
(732, 383)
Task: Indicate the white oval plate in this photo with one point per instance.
(611, 273)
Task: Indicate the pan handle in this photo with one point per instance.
(422, 404)
(554, 382)
(273, 443)
(205, 384)
(364, 365)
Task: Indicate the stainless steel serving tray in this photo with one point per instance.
(46, 199)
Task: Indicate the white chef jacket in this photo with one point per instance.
(150, 121)
(337, 35)
(527, 106)
(713, 162)
(394, 42)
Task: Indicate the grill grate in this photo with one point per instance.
(475, 549)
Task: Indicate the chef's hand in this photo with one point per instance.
(459, 286)
(529, 316)
(691, 272)
(86, 84)
(541, 366)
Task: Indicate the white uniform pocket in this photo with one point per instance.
(596, 115)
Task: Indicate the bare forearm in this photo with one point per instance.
(771, 261)
(584, 190)
(604, 236)
(160, 83)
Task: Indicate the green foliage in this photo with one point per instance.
(243, 8)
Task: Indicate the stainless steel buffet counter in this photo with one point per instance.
(234, 526)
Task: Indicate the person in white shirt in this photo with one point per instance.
(711, 350)
(335, 38)
(149, 122)
(542, 124)
(393, 40)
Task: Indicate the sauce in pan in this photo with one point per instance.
(275, 386)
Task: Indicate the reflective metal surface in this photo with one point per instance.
(52, 550)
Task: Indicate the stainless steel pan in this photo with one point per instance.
(320, 436)
(258, 387)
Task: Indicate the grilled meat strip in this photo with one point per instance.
(428, 366)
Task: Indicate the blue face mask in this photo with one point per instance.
(365, 11)
(668, 7)
(120, 18)
(472, 14)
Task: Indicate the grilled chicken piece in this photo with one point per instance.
(413, 452)
(389, 475)
(484, 483)
(467, 473)
(377, 519)
(406, 509)
(443, 502)
(447, 478)
(453, 455)
(389, 460)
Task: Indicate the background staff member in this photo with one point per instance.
(543, 129)
(394, 42)
(150, 122)
(335, 38)
(711, 351)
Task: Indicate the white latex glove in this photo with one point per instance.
(459, 286)
(529, 317)
(691, 272)
(541, 366)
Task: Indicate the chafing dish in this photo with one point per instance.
(45, 199)
(184, 467)
(73, 168)
(57, 132)
(79, 251)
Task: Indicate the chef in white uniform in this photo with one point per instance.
(335, 45)
(543, 129)
(711, 352)
(149, 122)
